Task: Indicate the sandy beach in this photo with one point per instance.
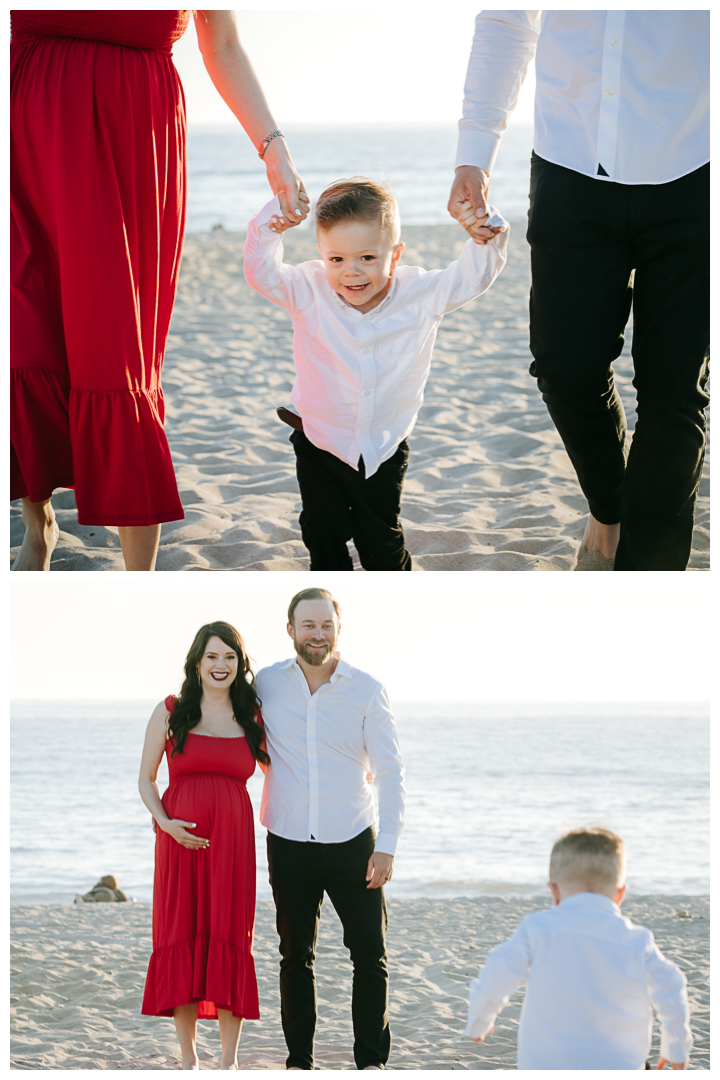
(78, 975)
(489, 485)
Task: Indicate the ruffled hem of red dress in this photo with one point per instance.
(110, 445)
(40, 451)
(210, 971)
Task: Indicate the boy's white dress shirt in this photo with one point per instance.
(592, 981)
(625, 90)
(359, 379)
(321, 747)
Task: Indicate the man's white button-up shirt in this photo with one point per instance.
(621, 95)
(360, 378)
(592, 980)
(321, 748)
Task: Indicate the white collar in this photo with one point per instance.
(342, 668)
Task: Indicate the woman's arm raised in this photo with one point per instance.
(153, 750)
(232, 74)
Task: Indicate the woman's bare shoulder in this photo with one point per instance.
(160, 717)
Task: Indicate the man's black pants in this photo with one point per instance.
(339, 503)
(299, 874)
(586, 236)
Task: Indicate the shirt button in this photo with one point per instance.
(607, 93)
(613, 44)
(364, 352)
(366, 393)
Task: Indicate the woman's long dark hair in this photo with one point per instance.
(243, 692)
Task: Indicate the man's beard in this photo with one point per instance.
(313, 656)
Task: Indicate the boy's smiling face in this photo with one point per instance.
(360, 259)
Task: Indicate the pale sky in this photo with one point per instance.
(441, 637)
(374, 63)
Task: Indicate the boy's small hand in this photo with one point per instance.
(279, 224)
(482, 1038)
(662, 1062)
(478, 232)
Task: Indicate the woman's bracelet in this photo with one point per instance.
(266, 142)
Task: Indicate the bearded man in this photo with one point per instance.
(330, 732)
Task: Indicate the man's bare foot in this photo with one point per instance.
(41, 536)
(601, 538)
(190, 1063)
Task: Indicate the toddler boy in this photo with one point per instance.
(592, 976)
(363, 334)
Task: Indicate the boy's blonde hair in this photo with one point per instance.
(588, 857)
(358, 199)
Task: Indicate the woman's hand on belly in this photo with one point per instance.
(179, 831)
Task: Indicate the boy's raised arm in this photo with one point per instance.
(471, 274)
(505, 966)
(263, 263)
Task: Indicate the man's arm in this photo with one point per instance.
(383, 751)
(503, 46)
(505, 966)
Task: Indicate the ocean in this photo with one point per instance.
(489, 787)
(227, 184)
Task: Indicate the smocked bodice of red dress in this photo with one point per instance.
(204, 755)
(154, 30)
(209, 756)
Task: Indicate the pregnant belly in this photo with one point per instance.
(219, 805)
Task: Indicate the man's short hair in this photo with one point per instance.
(358, 199)
(311, 594)
(588, 857)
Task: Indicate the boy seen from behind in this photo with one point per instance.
(593, 977)
(363, 334)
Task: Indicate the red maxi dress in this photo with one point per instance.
(204, 900)
(97, 183)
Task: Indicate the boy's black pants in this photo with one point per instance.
(339, 504)
(586, 236)
(300, 873)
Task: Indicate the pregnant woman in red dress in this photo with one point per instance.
(97, 185)
(204, 891)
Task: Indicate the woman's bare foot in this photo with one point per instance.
(190, 1063)
(601, 538)
(41, 536)
(230, 1065)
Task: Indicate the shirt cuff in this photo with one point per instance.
(269, 210)
(674, 1050)
(480, 1019)
(386, 843)
(477, 148)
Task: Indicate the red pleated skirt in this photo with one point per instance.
(97, 221)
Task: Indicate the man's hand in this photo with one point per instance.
(662, 1062)
(471, 186)
(482, 1038)
(379, 869)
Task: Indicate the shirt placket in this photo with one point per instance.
(366, 403)
(610, 94)
(313, 782)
